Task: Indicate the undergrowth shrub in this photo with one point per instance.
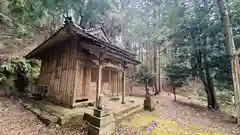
(17, 73)
(145, 76)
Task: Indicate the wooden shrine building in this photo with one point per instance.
(79, 64)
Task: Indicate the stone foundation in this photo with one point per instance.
(149, 104)
(108, 129)
(101, 123)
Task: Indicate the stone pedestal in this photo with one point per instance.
(100, 113)
(101, 123)
(149, 104)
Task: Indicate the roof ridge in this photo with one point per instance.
(110, 44)
(93, 28)
(84, 33)
(78, 26)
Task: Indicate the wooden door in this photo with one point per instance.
(114, 82)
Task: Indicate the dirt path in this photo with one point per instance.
(169, 118)
(15, 120)
(174, 118)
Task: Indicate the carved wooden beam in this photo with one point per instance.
(125, 65)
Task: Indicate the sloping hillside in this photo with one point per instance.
(12, 46)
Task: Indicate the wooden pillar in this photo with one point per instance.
(123, 86)
(99, 83)
(124, 82)
(109, 80)
(117, 82)
(120, 84)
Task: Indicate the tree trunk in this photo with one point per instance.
(205, 75)
(52, 25)
(159, 70)
(211, 97)
(148, 62)
(141, 54)
(228, 33)
(155, 69)
(146, 85)
(230, 49)
(210, 88)
(131, 90)
(174, 93)
(84, 17)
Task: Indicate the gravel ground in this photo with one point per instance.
(182, 113)
(15, 120)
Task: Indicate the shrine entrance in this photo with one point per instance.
(111, 82)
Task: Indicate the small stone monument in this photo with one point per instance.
(101, 122)
(100, 102)
(148, 102)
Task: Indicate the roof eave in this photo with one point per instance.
(32, 54)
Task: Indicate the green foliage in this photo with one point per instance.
(200, 49)
(178, 73)
(225, 97)
(144, 75)
(193, 25)
(28, 15)
(223, 75)
(21, 71)
(201, 40)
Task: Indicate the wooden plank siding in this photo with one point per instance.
(71, 76)
(58, 72)
(84, 67)
(81, 76)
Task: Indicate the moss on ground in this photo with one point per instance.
(159, 126)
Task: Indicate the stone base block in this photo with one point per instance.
(100, 113)
(104, 125)
(108, 129)
(100, 121)
(149, 104)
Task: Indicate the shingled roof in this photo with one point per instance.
(99, 33)
(96, 35)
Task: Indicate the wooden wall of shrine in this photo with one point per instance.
(71, 77)
(58, 73)
(111, 82)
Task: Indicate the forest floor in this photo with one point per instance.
(179, 118)
(169, 118)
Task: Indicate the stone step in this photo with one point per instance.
(45, 117)
(137, 109)
(228, 117)
(127, 110)
(85, 103)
